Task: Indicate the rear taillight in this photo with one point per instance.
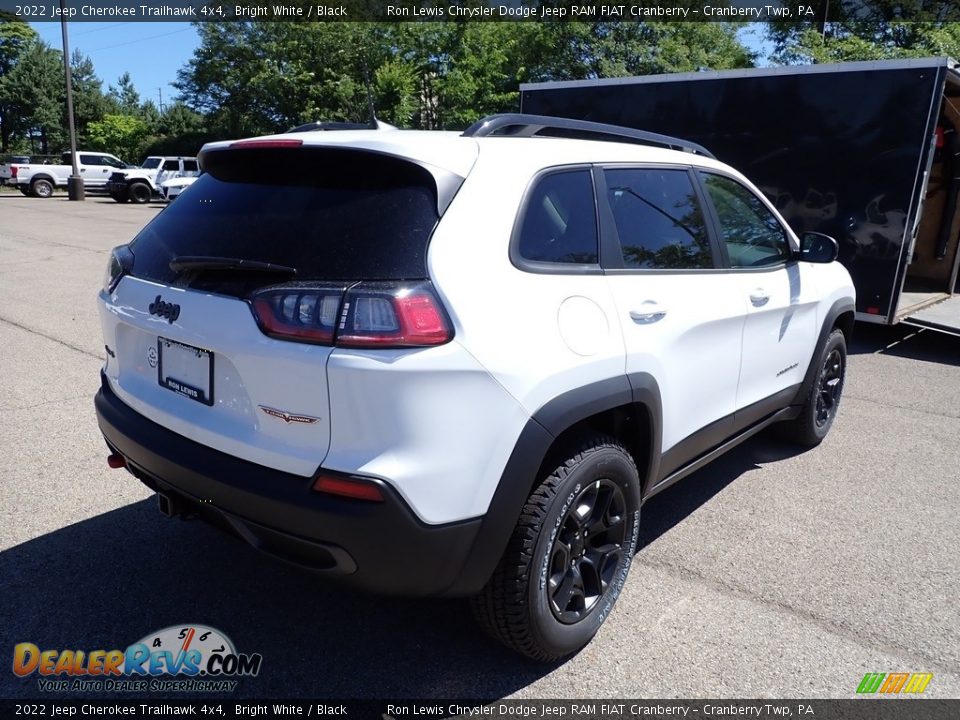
(368, 314)
(119, 264)
(306, 314)
(13, 171)
(385, 315)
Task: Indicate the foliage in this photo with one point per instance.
(125, 96)
(31, 96)
(255, 77)
(880, 30)
(15, 36)
(89, 102)
(122, 135)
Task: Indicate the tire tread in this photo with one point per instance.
(500, 608)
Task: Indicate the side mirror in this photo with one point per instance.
(818, 248)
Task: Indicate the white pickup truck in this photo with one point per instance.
(40, 179)
(140, 184)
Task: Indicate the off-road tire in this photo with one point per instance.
(517, 606)
(139, 193)
(120, 197)
(822, 402)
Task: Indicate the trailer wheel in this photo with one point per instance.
(139, 193)
(41, 188)
(823, 400)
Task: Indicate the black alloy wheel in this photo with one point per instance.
(568, 557)
(831, 383)
(587, 551)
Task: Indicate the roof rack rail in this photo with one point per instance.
(337, 125)
(520, 125)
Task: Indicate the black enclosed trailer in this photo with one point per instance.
(867, 152)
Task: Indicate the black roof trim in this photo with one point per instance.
(520, 125)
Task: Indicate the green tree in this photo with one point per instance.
(178, 119)
(31, 94)
(122, 135)
(125, 95)
(15, 36)
(89, 102)
(254, 77)
(878, 30)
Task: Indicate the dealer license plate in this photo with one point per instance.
(185, 370)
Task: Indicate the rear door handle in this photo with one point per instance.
(759, 297)
(651, 312)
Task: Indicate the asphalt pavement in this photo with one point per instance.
(770, 573)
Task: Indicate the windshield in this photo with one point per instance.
(150, 163)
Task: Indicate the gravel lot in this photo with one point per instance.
(770, 573)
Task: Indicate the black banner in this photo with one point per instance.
(813, 11)
(853, 709)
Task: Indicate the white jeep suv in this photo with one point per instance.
(457, 364)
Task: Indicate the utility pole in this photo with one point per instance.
(75, 190)
(160, 93)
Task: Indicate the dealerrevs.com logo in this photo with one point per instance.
(188, 658)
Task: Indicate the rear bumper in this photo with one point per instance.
(380, 547)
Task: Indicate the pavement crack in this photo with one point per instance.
(938, 665)
(16, 408)
(57, 340)
(902, 407)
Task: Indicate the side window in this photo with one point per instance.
(659, 219)
(112, 162)
(173, 165)
(753, 236)
(190, 166)
(560, 220)
(90, 160)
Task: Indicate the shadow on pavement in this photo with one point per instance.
(671, 506)
(106, 582)
(906, 341)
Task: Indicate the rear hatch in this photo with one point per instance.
(222, 311)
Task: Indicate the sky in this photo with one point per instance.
(151, 52)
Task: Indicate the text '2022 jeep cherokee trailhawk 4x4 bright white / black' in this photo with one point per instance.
(447, 364)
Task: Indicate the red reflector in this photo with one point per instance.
(267, 143)
(873, 310)
(116, 461)
(349, 487)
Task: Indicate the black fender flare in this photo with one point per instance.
(529, 453)
(839, 307)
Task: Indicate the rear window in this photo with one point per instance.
(332, 214)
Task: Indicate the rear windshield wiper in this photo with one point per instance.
(239, 265)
